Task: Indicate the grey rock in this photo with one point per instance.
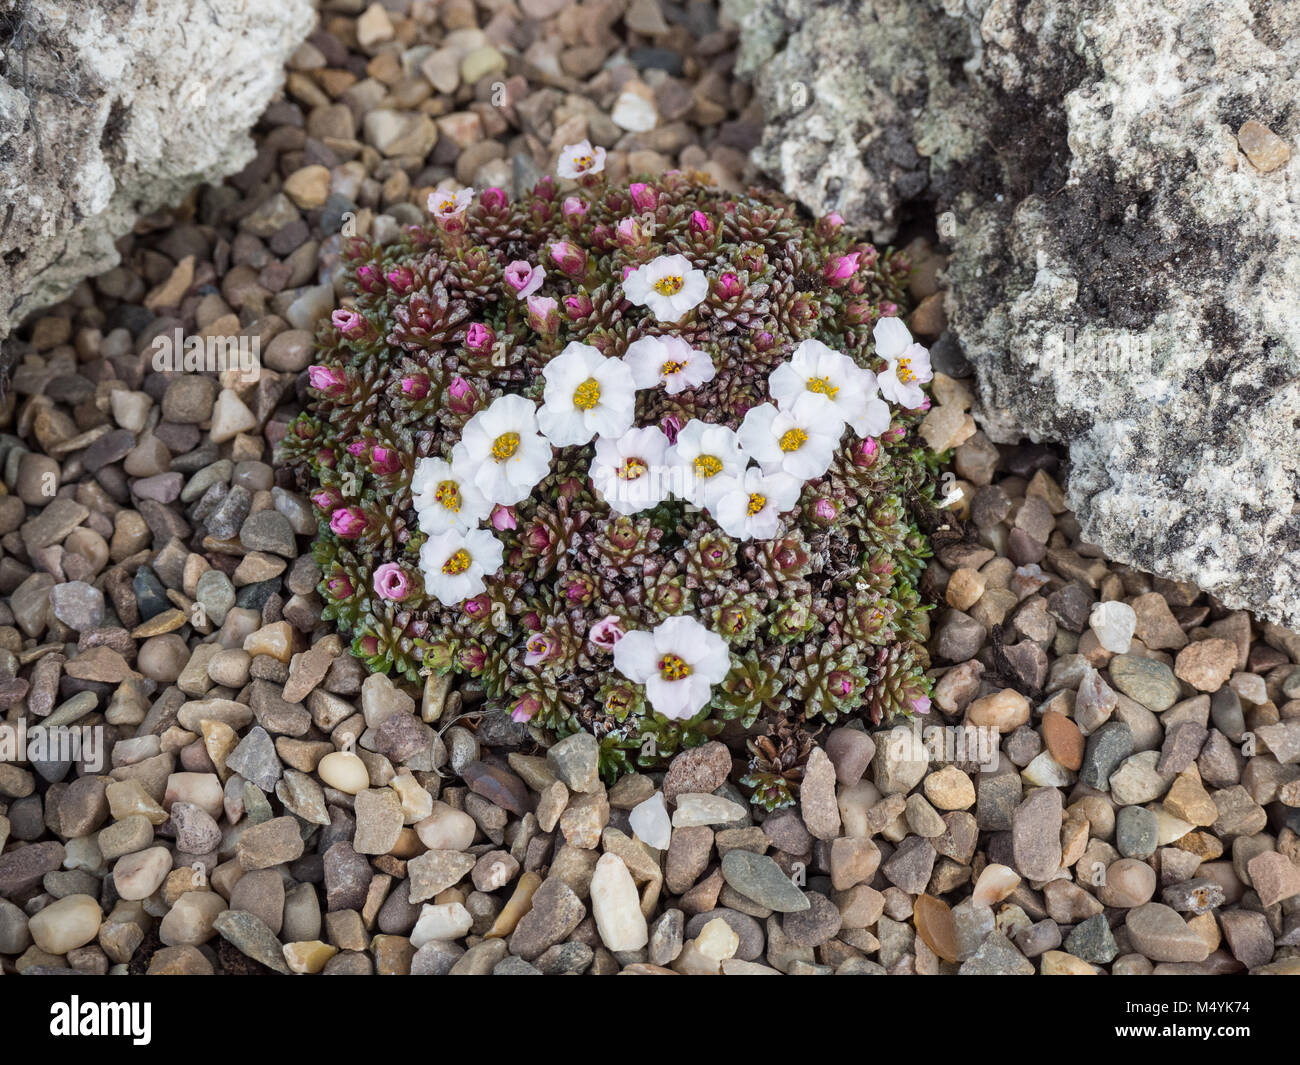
(1105, 750)
(997, 956)
(1116, 267)
(1092, 941)
(758, 877)
(255, 759)
(251, 937)
(1136, 831)
(186, 125)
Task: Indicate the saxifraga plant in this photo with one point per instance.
(637, 460)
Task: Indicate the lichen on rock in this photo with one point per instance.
(1116, 182)
(110, 111)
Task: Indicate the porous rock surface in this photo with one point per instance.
(112, 110)
(1117, 183)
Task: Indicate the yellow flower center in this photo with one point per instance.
(707, 465)
(447, 206)
(587, 394)
(457, 563)
(669, 286)
(582, 162)
(756, 503)
(670, 367)
(632, 469)
(822, 386)
(793, 439)
(505, 446)
(672, 667)
(448, 494)
(904, 371)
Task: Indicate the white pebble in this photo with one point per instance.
(344, 771)
(996, 882)
(1113, 624)
(616, 906)
(448, 920)
(651, 823)
(62, 926)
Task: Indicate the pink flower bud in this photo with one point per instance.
(858, 312)
(700, 223)
(369, 278)
(504, 518)
(643, 196)
(574, 207)
(326, 457)
(543, 315)
(400, 279)
(493, 198)
(842, 267)
(630, 233)
(865, 454)
(830, 224)
(671, 425)
(537, 538)
(524, 278)
(765, 341)
(327, 498)
(602, 237)
(728, 286)
(606, 632)
(462, 397)
(415, 386)
(391, 582)
(840, 683)
(348, 522)
(577, 308)
(477, 607)
(339, 587)
(526, 709)
(326, 378)
(826, 510)
(569, 258)
(921, 705)
(479, 337)
(384, 461)
(349, 323)
(357, 448)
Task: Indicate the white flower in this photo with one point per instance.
(445, 498)
(873, 417)
(678, 663)
(669, 361)
(578, 159)
(586, 395)
(705, 457)
(629, 472)
(909, 363)
(799, 441)
(667, 285)
(752, 504)
(503, 448)
(454, 564)
(443, 203)
(842, 388)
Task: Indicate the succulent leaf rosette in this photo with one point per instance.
(633, 459)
